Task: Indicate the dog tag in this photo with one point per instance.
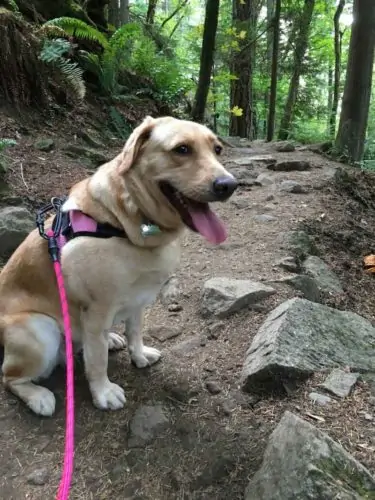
(149, 230)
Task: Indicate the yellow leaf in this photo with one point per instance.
(236, 111)
(242, 2)
(242, 35)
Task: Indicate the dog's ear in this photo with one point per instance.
(134, 143)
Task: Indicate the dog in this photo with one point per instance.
(167, 174)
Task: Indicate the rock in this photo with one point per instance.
(170, 291)
(306, 285)
(292, 187)
(163, 332)
(96, 157)
(186, 346)
(285, 147)
(264, 180)
(326, 279)
(340, 383)
(45, 145)
(320, 399)
(264, 218)
(174, 307)
(289, 263)
(244, 176)
(299, 243)
(38, 477)
(15, 224)
(90, 139)
(300, 337)
(213, 387)
(290, 166)
(303, 463)
(256, 161)
(148, 422)
(224, 296)
(214, 330)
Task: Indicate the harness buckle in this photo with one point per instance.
(52, 234)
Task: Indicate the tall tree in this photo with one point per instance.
(351, 134)
(114, 13)
(274, 71)
(206, 59)
(299, 55)
(151, 9)
(337, 72)
(124, 11)
(245, 16)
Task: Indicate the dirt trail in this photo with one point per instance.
(207, 436)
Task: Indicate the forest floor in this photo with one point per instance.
(210, 436)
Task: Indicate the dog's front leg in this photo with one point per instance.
(140, 355)
(106, 395)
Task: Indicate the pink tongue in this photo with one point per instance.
(209, 225)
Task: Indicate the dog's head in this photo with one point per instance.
(173, 171)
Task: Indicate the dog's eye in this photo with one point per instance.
(183, 149)
(218, 149)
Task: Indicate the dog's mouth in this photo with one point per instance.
(196, 215)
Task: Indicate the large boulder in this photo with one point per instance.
(303, 463)
(15, 224)
(224, 296)
(300, 337)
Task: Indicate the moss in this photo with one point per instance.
(349, 476)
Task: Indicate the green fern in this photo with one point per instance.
(52, 53)
(12, 5)
(79, 29)
(6, 143)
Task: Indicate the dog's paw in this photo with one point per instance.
(108, 396)
(147, 357)
(115, 342)
(42, 402)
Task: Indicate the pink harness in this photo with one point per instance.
(68, 225)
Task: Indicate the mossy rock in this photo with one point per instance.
(96, 157)
(45, 145)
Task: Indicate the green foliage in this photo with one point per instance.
(118, 124)
(77, 28)
(6, 143)
(53, 52)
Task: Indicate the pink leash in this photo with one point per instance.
(66, 478)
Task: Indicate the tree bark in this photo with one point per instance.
(270, 35)
(351, 133)
(206, 60)
(124, 12)
(151, 10)
(274, 71)
(301, 46)
(245, 16)
(337, 73)
(114, 13)
(330, 96)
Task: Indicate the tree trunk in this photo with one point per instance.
(274, 70)
(207, 59)
(270, 34)
(301, 46)
(245, 16)
(330, 96)
(151, 9)
(337, 74)
(351, 134)
(114, 13)
(124, 12)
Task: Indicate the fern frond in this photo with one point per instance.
(50, 31)
(73, 75)
(13, 6)
(79, 29)
(6, 143)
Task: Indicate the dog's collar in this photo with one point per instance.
(76, 223)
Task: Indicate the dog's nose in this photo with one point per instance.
(224, 187)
